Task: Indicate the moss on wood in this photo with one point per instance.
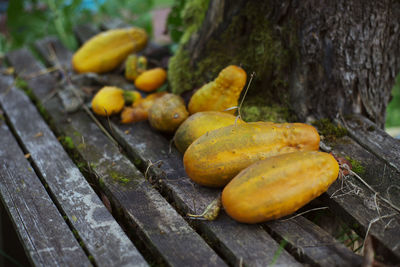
(330, 131)
(356, 166)
(118, 177)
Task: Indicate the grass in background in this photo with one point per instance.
(393, 109)
(30, 20)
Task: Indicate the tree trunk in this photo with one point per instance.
(313, 58)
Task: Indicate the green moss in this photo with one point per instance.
(81, 146)
(67, 142)
(23, 85)
(329, 130)
(137, 162)
(118, 177)
(91, 258)
(43, 112)
(101, 183)
(75, 232)
(356, 166)
(256, 110)
(81, 165)
(192, 16)
(264, 49)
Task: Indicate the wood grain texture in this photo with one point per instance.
(314, 243)
(166, 170)
(162, 230)
(45, 235)
(357, 204)
(61, 57)
(101, 234)
(168, 173)
(374, 139)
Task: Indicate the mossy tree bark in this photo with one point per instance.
(314, 58)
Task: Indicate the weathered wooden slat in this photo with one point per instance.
(359, 206)
(312, 242)
(45, 235)
(56, 48)
(145, 144)
(374, 139)
(31, 71)
(163, 231)
(101, 234)
(255, 247)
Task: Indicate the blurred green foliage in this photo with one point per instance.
(393, 109)
(175, 21)
(30, 20)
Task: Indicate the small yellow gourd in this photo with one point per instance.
(108, 100)
(111, 100)
(134, 66)
(167, 113)
(222, 93)
(140, 109)
(278, 186)
(150, 80)
(108, 49)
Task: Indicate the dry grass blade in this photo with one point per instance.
(245, 93)
(302, 213)
(374, 191)
(211, 212)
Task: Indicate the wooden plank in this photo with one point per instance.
(374, 139)
(310, 241)
(162, 230)
(145, 144)
(52, 44)
(359, 206)
(87, 214)
(45, 235)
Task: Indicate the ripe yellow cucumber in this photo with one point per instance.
(200, 123)
(216, 157)
(106, 50)
(278, 186)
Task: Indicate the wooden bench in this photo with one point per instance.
(82, 190)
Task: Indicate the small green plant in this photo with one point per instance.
(279, 251)
(67, 141)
